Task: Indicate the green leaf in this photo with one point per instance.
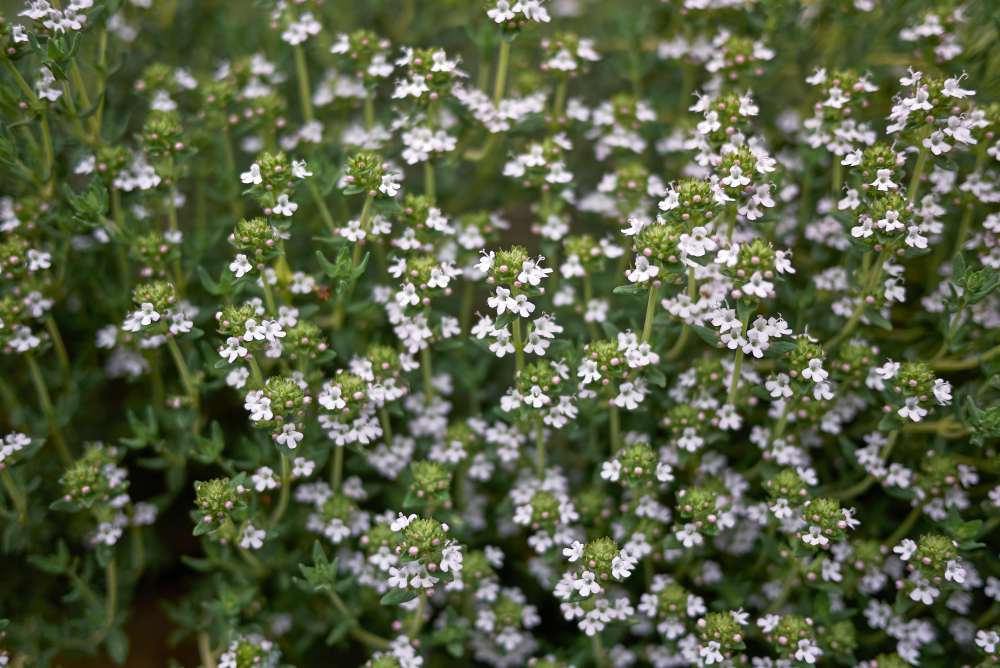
(958, 266)
(338, 633)
(504, 319)
(395, 596)
(656, 377)
(360, 269)
(328, 267)
(387, 204)
(779, 348)
(117, 645)
(875, 318)
(706, 334)
(630, 290)
(745, 310)
(913, 251)
(210, 285)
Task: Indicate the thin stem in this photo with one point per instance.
(518, 347)
(429, 179)
(383, 418)
(560, 101)
(189, 385)
(956, 320)
(918, 170)
(205, 650)
(647, 327)
(338, 468)
(539, 447)
(95, 130)
(963, 229)
(138, 551)
(836, 179)
(356, 257)
(615, 427)
(418, 617)
(46, 401)
(501, 83)
(49, 155)
(172, 218)
(786, 588)
(57, 344)
(14, 494)
(286, 477)
(849, 326)
(255, 370)
(305, 98)
(905, 527)
(369, 111)
(600, 658)
(356, 632)
(268, 295)
(970, 363)
(588, 295)
(324, 212)
(111, 600)
(735, 382)
(235, 204)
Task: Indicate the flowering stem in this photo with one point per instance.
(111, 600)
(138, 551)
(905, 527)
(205, 650)
(257, 377)
(418, 617)
(189, 386)
(305, 98)
(588, 294)
(324, 212)
(918, 170)
(14, 494)
(650, 307)
(501, 83)
(356, 632)
(599, 657)
(383, 417)
(786, 587)
(369, 111)
(856, 316)
(959, 365)
(429, 179)
(268, 295)
(235, 204)
(338, 468)
(283, 495)
(539, 447)
(735, 382)
(963, 229)
(518, 347)
(560, 101)
(356, 257)
(837, 179)
(46, 401)
(780, 429)
(956, 320)
(57, 344)
(95, 129)
(615, 427)
(172, 218)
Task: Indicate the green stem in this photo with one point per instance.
(588, 294)
(956, 320)
(138, 551)
(383, 417)
(57, 344)
(305, 98)
(501, 83)
(172, 217)
(429, 179)
(324, 212)
(647, 326)
(518, 347)
(268, 295)
(735, 382)
(369, 111)
(338, 468)
(963, 229)
(905, 527)
(560, 101)
(786, 587)
(918, 170)
(49, 155)
(837, 179)
(615, 428)
(356, 632)
(95, 130)
(189, 385)
(235, 204)
(286, 476)
(418, 617)
(959, 365)
(356, 257)
(539, 447)
(600, 658)
(14, 494)
(111, 601)
(205, 650)
(46, 401)
(849, 326)
(258, 378)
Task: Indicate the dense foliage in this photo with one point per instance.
(518, 333)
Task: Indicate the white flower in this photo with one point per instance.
(912, 410)
(240, 266)
(252, 538)
(689, 535)
(574, 551)
(284, 207)
(253, 176)
(402, 522)
(807, 651)
(815, 536)
(711, 653)
(586, 584)
(643, 271)
(233, 349)
(389, 186)
(905, 549)
(988, 640)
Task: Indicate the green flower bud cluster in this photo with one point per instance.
(838, 640)
(942, 106)
(592, 504)
(364, 174)
(610, 363)
(688, 426)
(854, 360)
(894, 208)
(545, 512)
(423, 541)
(422, 66)
(363, 46)
(826, 514)
(638, 465)
(548, 661)
(384, 661)
(745, 164)
(672, 601)
(587, 250)
(94, 477)
(915, 379)
(755, 261)
(348, 388)
(153, 252)
(304, 339)
(233, 322)
(413, 215)
(288, 401)
(110, 160)
(626, 109)
(507, 611)
(599, 558)
(722, 628)
(702, 506)
(876, 157)
(868, 554)
(246, 653)
(28, 210)
(542, 375)
(157, 77)
(162, 135)
(850, 95)
(549, 151)
(937, 475)
(990, 118)
(379, 536)
(787, 485)
(630, 186)
(885, 661)
(384, 360)
(741, 60)
(799, 359)
(934, 551)
(14, 261)
(429, 278)
(430, 480)
(730, 113)
(342, 507)
(476, 569)
(159, 293)
(258, 239)
(789, 631)
(216, 500)
(276, 178)
(695, 204)
(658, 243)
(556, 44)
(217, 97)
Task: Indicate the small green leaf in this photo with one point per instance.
(630, 290)
(395, 596)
